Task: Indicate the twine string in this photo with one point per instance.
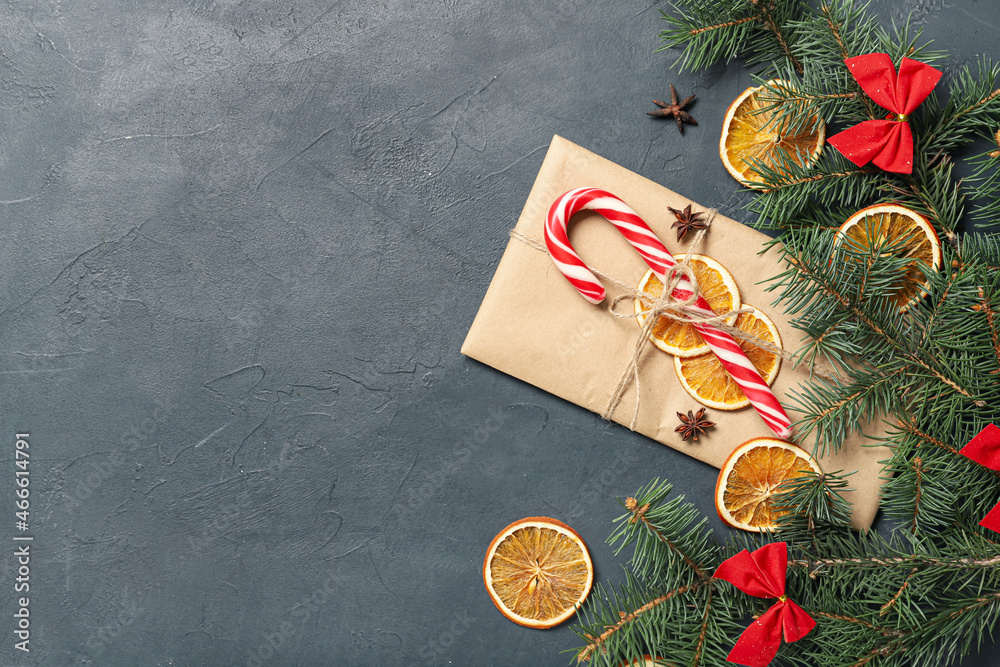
(666, 306)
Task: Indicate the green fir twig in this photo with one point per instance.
(926, 591)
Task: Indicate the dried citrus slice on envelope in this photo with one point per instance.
(718, 287)
(538, 572)
(896, 226)
(749, 480)
(751, 132)
(704, 378)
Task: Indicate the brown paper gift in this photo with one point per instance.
(535, 326)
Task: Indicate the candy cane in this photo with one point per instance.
(659, 259)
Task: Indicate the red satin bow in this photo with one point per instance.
(762, 574)
(984, 449)
(887, 144)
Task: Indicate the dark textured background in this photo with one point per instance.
(241, 245)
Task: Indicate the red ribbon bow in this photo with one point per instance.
(984, 449)
(887, 144)
(762, 574)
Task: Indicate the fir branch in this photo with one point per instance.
(984, 307)
(986, 178)
(797, 106)
(908, 424)
(595, 643)
(639, 514)
(932, 190)
(817, 565)
(928, 326)
(953, 630)
(862, 315)
(919, 493)
(700, 647)
(917, 469)
(844, 405)
(780, 183)
(883, 651)
(839, 298)
(973, 102)
(884, 609)
(887, 632)
(711, 31)
(795, 96)
(766, 13)
(926, 594)
(834, 25)
(669, 539)
(720, 26)
(975, 603)
(816, 497)
(792, 187)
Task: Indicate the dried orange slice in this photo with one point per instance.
(892, 225)
(718, 287)
(710, 384)
(538, 572)
(646, 661)
(750, 478)
(751, 132)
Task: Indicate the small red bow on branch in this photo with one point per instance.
(984, 449)
(887, 144)
(762, 574)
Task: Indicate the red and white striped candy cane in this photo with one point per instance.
(661, 262)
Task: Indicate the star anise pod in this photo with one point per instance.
(693, 425)
(686, 220)
(675, 109)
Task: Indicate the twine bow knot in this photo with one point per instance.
(668, 306)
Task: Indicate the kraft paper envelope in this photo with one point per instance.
(535, 326)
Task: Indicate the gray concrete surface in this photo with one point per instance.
(241, 245)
